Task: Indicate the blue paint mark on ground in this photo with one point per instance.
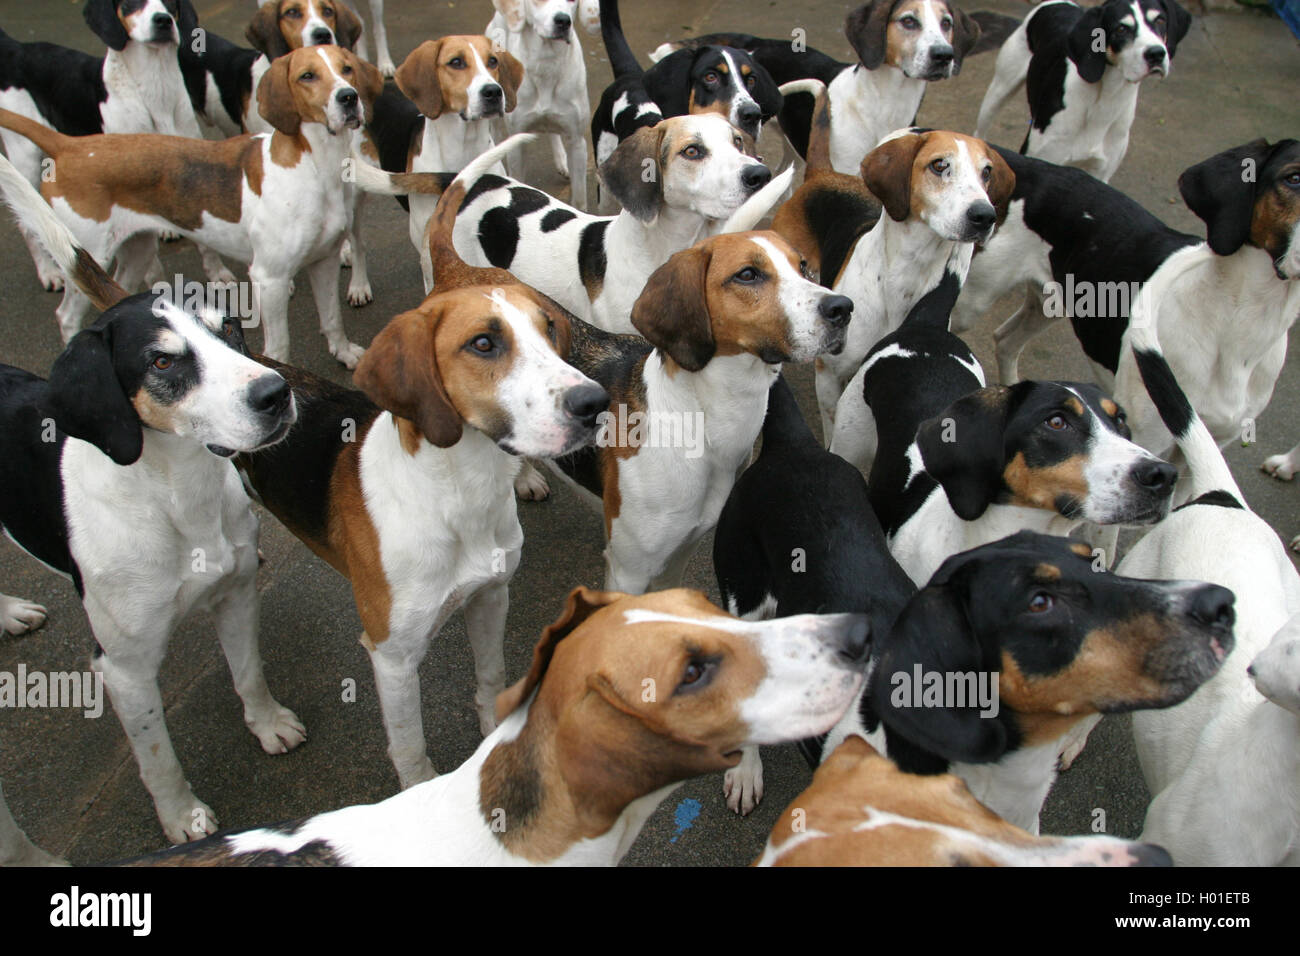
(684, 816)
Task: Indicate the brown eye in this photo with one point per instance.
(327, 11)
(1041, 602)
(456, 63)
(694, 671)
(492, 63)
(1056, 423)
(710, 77)
(748, 274)
(749, 81)
(482, 344)
(693, 152)
(987, 173)
(307, 77)
(294, 14)
(939, 166)
(347, 70)
(162, 363)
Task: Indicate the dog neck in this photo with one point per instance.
(449, 143)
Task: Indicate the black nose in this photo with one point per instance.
(836, 310)
(854, 638)
(1148, 854)
(161, 21)
(269, 394)
(1155, 55)
(942, 55)
(1155, 476)
(755, 177)
(562, 22)
(1211, 605)
(492, 93)
(981, 215)
(347, 98)
(585, 402)
(321, 36)
(749, 114)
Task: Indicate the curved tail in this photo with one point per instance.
(51, 142)
(621, 58)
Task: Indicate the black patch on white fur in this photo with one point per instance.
(556, 218)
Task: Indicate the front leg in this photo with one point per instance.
(575, 147)
(18, 616)
(383, 59)
(214, 268)
(396, 662)
(485, 623)
(359, 291)
(1283, 467)
(324, 275)
(15, 848)
(271, 310)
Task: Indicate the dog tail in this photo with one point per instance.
(749, 215)
(51, 142)
(36, 216)
(933, 309)
(485, 160)
(621, 58)
(994, 30)
(372, 179)
(1208, 470)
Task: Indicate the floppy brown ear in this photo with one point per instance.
(580, 605)
(369, 82)
(511, 73)
(672, 311)
(1002, 184)
(275, 98)
(633, 173)
(347, 26)
(399, 373)
(417, 77)
(264, 31)
(887, 171)
(865, 28)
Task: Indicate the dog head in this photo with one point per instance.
(118, 22)
(926, 39)
(740, 293)
(1137, 37)
(1058, 446)
(1250, 195)
(1065, 638)
(549, 19)
(463, 75)
(487, 358)
(1276, 669)
(279, 26)
(957, 185)
(722, 80)
(861, 810)
(146, 364)
(698, 163)
(321, 84)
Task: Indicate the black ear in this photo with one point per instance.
(101, 17)
(1082, 44)
(1180, 21)
(264, 31)
(86, 399)
(866, 27)
(634, 174)
(965, 34)
(187, 21)
(934, 634)
(672, 311)
(765, 92)
(1221, 191)
(962, 449)
(668, 82)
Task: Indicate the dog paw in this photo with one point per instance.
(742, 785)
(360, 295)
(387, 68)
(416, 773)
(191, 820)
(51, 280)
(277, 732)
(345, 254)
(531, 485)
(167, 235)
(1281, 467)
(223, 276)
(18, 616)
(349, 353)
(1295, 543)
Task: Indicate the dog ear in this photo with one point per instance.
(887, 171)
(865, 29)
(965, 34)
(512, 11)
(1002, 184)
(934, 634)
(1180, 21)
(86, 400)
(634, 173)
(668, 82)
(1082, 42)
(369, 82)
(187, 21)
(417, 78)
(275, 98)
(1221, 191)
(101, 17)
(580, 605)
(264, 31)
(347, 26)
(765, 92)
(510, 76)
(672, 311)
(399, 373)
(962, 449)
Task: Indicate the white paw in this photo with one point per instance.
(530, 484)
(279, 733)
(18, 616)
(387, 68)
(1295, 543)
(345, 254)
(1071, 753)
(419, 773)
(1280, 467)
(167, 235)
(51, 279)
(360, 295)
(193, 820)
(487, 716)
(349, 354)
(742, 785)
(224, 276)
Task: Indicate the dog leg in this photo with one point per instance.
(485, 623)
(359, 291)
(15, 848)
(214, 268)
(46, 269)
(1075, 739)
(854, 437)
(271, 311)
(397, 680)
(576, 148)
(1011, 337)
(383, 59)
(422, 209)
(742, 785)
(829, 390)
(531, 484)
(324, 274)
(1283, 467)
(72, 311)
(1008, 76)
(18, 616)
(138, 265)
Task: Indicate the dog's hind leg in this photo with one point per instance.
(1008, 77)
(1011, 337)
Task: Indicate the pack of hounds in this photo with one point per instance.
(947, 530)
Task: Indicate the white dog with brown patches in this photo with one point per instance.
(582, 758)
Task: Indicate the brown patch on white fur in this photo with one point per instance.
(276, 27)
(895, 171)
(1275, 215)
(430, 81)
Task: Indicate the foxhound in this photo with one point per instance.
(279, 202)
(136, 87)
(1063, 640)
(552, 99)
(417, 507)
(861, 810)
(902, 45)
(118, 476)
(1223, 765)
(582, 756)
(1082, 69)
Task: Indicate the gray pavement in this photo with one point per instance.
(72, 782)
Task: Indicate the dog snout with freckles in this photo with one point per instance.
(705, 166)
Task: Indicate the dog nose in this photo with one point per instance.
(1148, 854)
(1212, 606)
(492, 94)
(755, 177)
(836, 310)
(1155, 476)
(942, 55)
(562, 22)
(749, 114)
(347, 98)
(585, 402)
(981, 215)
(851, 637)
(161, 21)
(321, 36)
(269, 394)
(1155, 55)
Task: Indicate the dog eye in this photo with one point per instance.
(939, 166)
(1041, 602)
(1121, 30)
(749, 81)
(482, 344)
(698, 674)
(1056, 423)
(492, 62)
(227, 327)
(1159, 21)
(327, 11)
(346, 70)
(693, 152)
(946, 23)
(748, 274)
(1292, 179)
(710, 77)
(986, 173)
(909, 23)
(456, 63)
(293, 14)
(307, 77)
(162, 363)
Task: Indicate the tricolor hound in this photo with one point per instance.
(553, 99)
(147, 407)
(418, 511)
(901, 45)
(315, 16)
(581, 758)
(1082, 68)
(1224, 767)
(278, 201)
(861, 810)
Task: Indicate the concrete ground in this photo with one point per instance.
(72, 782)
